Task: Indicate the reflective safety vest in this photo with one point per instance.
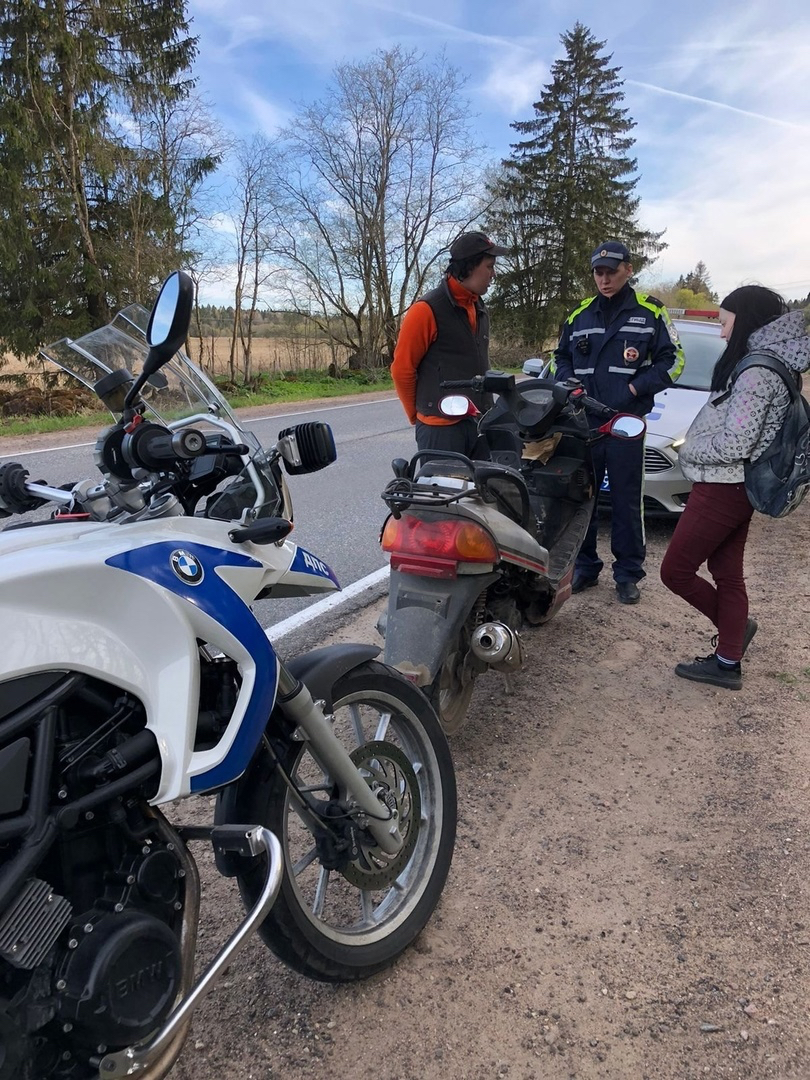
(609, 345)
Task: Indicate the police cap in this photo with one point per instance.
(610, 254)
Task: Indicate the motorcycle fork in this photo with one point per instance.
(297, 705)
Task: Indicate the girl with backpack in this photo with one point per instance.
(743, 416)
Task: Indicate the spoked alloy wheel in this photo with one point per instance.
(345, 924)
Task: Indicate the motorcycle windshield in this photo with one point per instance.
(180, 389)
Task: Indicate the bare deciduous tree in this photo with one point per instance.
(255, 225)
(372, 184)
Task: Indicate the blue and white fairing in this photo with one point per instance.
(130, 605)
(305, 575)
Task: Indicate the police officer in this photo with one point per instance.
(445, 335)
(622, 346)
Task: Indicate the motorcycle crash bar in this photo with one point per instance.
(250, 840)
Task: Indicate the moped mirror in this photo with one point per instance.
(625, 426)
(457, 405)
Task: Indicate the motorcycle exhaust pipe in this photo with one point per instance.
(497, 645)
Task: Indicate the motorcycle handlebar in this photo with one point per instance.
(17, 496)
(152, 447)
(597, 407)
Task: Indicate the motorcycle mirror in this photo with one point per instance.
(624, 426)
(168, 326)
(457, 405)
(170, 319)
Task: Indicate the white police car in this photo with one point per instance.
(666, 489)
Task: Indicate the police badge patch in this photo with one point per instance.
(630, 355)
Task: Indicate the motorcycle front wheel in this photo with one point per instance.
(338, 925)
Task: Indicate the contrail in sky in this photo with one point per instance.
(717, 105)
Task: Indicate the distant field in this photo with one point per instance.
(269, 354)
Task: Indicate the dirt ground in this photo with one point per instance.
(629, 893)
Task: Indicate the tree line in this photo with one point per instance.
(107, 157)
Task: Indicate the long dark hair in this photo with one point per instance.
(753, 307)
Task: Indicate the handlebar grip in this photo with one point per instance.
(457, 384)
(596, 406)
(15, 498)
(151, 446)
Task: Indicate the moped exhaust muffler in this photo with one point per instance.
(497, 645)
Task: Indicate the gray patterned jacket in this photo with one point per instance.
(745, 421)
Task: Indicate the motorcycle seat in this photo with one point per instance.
(507, 489)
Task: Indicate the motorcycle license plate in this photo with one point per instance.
(605, 483)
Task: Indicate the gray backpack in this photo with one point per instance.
(780, 478)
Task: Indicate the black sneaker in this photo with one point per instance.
(582, 582)
(751, 628)
(708, 669)
(627, 592)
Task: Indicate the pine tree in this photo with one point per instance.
(568, 185)
(79, 191)
(698, 281)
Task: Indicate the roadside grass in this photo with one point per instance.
(302, 385)
(267, 390)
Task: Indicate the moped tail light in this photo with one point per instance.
(435, 548)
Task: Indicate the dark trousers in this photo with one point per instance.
(460, 438)
(713, 529)
(624, 461)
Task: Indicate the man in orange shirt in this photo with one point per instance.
(445, 335)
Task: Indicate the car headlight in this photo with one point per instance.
(678, 443)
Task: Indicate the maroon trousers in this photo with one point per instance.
(713, 529)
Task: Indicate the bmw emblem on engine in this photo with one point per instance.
(186, 566)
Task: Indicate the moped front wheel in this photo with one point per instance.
(349, 922)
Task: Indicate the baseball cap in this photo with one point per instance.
(470, 244)
(610, 254)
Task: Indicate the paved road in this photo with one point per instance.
(338, 511)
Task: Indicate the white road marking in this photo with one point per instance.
(254, 420)
(301, 618)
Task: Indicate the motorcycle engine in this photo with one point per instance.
(90, 956)
(111, 979)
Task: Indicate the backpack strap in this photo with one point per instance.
(772, 362)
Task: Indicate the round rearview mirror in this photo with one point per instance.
(171, 315)
(628, 426)
(455, 405)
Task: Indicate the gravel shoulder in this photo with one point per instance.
(629, 894)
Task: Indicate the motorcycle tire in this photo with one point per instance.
(347, 924)
(449, 696)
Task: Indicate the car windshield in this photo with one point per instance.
(700, 351)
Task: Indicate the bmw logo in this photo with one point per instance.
(186, 566)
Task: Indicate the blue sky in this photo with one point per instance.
(720, 94)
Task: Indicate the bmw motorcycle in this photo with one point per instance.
(134, 673)
(480, 547)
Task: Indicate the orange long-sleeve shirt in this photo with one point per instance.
(416, 334)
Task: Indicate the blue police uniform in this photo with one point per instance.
(608, 343)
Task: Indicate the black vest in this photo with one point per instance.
(457, 352)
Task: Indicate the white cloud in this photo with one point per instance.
(267, 116)
(513, 87)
